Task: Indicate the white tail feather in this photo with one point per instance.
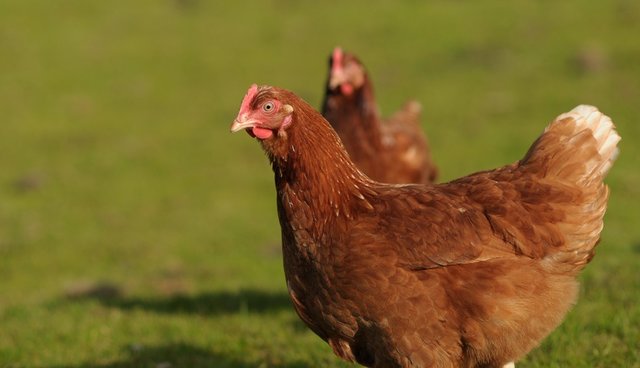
(603, 131)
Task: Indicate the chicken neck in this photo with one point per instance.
(316, 181)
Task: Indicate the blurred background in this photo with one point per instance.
(136, 231)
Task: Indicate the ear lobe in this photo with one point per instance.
(286, 122)
(288, 109)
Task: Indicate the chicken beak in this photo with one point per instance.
(240, 124)
(337, 78)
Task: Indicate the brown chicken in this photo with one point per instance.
(391, 151)
(471, 273)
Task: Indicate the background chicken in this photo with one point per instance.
(391, 151)
(472, 273)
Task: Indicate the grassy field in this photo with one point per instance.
(135, 231)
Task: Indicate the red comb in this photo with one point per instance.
(337, 58)
(246, 101)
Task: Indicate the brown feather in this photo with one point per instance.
(471, 273)
(393, 150)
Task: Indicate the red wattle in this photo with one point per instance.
(261, 133)
(346, 89)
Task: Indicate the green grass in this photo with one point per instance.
(135, 231)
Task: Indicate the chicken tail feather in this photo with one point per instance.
(579, 145)
(576, 152)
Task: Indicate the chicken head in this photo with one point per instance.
(347, 73)
(262, 116)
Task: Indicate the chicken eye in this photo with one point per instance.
(268, 107)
